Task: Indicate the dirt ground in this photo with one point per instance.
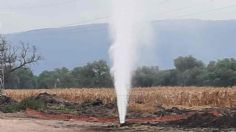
(49, 113)
(20, 122)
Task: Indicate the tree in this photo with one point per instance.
(21, 78)
(189, 70)
(185, 63)
(58, 78)
(191, 77)
(47, 79)
(63, 78)
(16, 57)
(166, 78)
(94, 74)
(145, 76)
(223, 72)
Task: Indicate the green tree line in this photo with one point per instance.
(188, 71)
(95, 74)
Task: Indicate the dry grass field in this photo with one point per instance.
(145, 99)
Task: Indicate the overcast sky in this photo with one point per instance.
(23, 15)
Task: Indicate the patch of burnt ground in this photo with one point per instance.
(56, 105)
(4, 100)
(161, 111)
(7, 104)
(206, 118)
(52, 99)
(97, 108)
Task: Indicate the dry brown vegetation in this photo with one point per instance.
(145, 99)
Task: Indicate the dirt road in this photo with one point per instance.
(33, 125)
(19, 122)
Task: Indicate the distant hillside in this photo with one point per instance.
(73, 46)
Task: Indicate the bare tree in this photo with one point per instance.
(16, 57)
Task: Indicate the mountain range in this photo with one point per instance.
(77, 45)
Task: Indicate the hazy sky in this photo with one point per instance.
(22, 15)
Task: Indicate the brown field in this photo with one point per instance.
(145, 99)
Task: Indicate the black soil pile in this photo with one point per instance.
(7, 104)
(4, 100)
(50, 103)
(208, 118)
(161, 111)
(52, 99)
(55, 105)
(97, 108)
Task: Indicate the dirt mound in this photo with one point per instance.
(208, 119)
(52, 99)
(55, 105)
(97, 108)
(4, 100)
(7, 104)
(161, 111)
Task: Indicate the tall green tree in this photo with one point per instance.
(47, 79)
(22, 78)
(63, 78)
(166, 78)
(95, 74)
(187, 63)
(189, 70)
(145, 76)
(223, 72)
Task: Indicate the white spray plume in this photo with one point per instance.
(128, 27)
